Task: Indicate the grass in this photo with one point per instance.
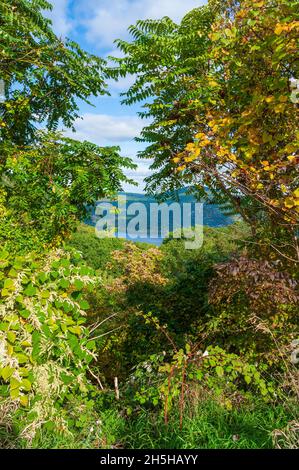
(212, 427)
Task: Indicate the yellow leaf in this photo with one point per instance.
(190, 159)
(190, 147)
(283, 99)
(289, 202)
(279, 29)
(204, 142)
(24, 400)
(274, 202)
(181, 168)
(279, 108)
(200, 135)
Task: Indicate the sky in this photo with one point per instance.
(95, 24)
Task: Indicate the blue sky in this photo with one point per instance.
(95, 24)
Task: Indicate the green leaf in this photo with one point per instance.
(22, 358)
(5, 293)
(45, 294)
(14, 383)
(66, 379)
(219, 371)
(64, 283)
(26, 385)
(30, 291)
(4, 326)
(84, 305)
(76, 330)
(65, 263)
(42, 277)
(9, 284)
(6, 372)
(25, 313)
(24, 400)
(13, 273)
(78, 284)
(91, 345)
(14, 393)
(4, 255)
(11, 336)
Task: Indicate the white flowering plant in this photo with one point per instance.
(45, 345)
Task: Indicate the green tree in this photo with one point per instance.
(166, 58)
(47, 181)
(44, 75)
(218, 91)
(49, 187)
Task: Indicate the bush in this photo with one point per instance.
(97, 251)
(171, 283)
(45, 347)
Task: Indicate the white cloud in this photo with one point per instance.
(138, 176)
(107, 20)
(103, 129)
(123, 84)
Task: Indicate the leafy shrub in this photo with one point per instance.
(171, 283)
(172, 378)
(45, 347)
(255, 310)
(97, 252)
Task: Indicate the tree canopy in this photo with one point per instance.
(47, 180)
(218, 90)
(44, 75)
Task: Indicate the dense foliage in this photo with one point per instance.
(113, 343)
(49, 186)
(44, 75)
(180, 328)
(45, 347)
(47, 181)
